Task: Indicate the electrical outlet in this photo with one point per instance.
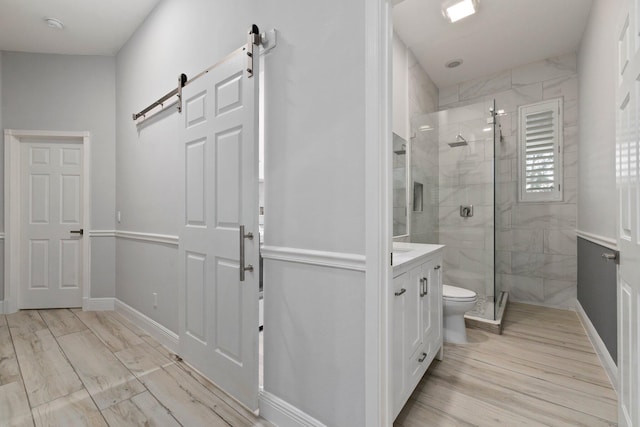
(155, 300)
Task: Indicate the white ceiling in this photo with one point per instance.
(501, 35)
(92, 27)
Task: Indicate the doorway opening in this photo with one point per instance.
(47, 209)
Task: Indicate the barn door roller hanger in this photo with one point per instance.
(266, 40)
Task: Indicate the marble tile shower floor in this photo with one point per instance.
(483, 309)
(73, 368)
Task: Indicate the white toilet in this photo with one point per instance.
(456, 302)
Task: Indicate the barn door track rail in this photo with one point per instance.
(265, 40)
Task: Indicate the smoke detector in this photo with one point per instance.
(454, 63)
(54, 23)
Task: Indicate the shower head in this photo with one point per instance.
(403, 150)
(459, 142)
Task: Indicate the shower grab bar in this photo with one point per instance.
(242, 267)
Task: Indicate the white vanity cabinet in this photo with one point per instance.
(417, 316)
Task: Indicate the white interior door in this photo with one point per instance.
(218, 311)
(628, 186)
(51, 210)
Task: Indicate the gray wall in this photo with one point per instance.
(535, 242)
(71, 93)
(597, 292)
(598, 83)
(597, 201)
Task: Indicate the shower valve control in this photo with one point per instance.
(466, 211)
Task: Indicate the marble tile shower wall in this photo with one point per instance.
(535, 242)
(423, 99)
(466, 178)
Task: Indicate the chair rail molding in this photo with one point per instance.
(167, 239)
(330, 259)
(607, 242)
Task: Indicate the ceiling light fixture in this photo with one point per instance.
(54, 23)
(425, 128)
(455, 10)
(454, 63)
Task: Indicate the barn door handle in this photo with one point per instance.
(80, 232)
(242, 267)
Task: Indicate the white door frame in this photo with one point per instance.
(13, 215)
(378, 223)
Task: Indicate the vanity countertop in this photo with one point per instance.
(404, 253)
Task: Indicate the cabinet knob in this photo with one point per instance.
(437, 267)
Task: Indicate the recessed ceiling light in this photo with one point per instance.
(487, 129)
(455, 10)
(425, 128)
(454, 63)
(54, 23)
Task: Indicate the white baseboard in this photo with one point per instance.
(283, 414)
(161, 334)
(98, 304)
(601, 350)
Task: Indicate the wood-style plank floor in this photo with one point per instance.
(71, 368)
(542, 371)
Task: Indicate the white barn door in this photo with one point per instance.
(628, 188)
(218, 310)
(52, 212)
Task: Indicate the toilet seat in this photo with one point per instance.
(455, 293)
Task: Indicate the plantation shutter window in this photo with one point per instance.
(540, 151)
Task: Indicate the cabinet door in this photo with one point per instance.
(413, 312)
(428, 299)
(435, 306)
(398, 363)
